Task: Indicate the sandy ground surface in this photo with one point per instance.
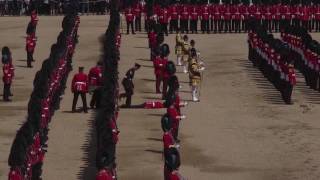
(241, 130)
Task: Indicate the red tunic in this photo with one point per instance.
(129, 15)
(8, 73)
(164, 16)
(194, 13)
(80, 83)
(95, 76)
(173, 13)
(185, 13)
(159, 66)
(104, 174)
(168, 140)
(205, 12)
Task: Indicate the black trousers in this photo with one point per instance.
(75, 100)
(227, 26)
(137, 23)
(236, 25)
(164, 29)
(173, 25)
(317, 25)
(96, 98)
(128, 27)
(184, 26)
(128, 94)
(6, 91)
(205, 26)
(194, 26)
(29, 58)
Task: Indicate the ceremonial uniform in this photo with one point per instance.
(178, 48)
(95, 85)
(317, 18)
(128, 85)
(195, 77)
(105, 174)
(175, 175)
(227, 19)
(79, 87)
(8, 74)
(129, 18)
(15, 174)
(185, 55)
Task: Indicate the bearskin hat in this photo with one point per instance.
(172, 159)
(171, 68)
(166, 122)
(165, 50)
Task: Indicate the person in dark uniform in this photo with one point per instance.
(128, 85)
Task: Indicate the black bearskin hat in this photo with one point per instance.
(166, 122)
(165, 50)
(171, 68)
(172, 159)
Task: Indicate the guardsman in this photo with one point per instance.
(215, 18)
(237, 19)
(128, 85)
(205, 15)
(8, 74)
(268, 16)
(80, 87)
(129, 18)
(137, 13)
(164, 20)
(185, 53)
(178, 48)
(195, 68)
(243, 9)
(184, 19)
(194, 19)
(15, 174)
(95, 85)
(167, 138)
(174, 17)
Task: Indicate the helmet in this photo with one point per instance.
(166, 122)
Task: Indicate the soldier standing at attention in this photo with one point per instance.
(80, 87)
(128, 85)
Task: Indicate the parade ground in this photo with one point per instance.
(240, 130)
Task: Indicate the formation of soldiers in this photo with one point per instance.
(108, 110)
(308, 53)
(31, 38)
(274, 58)
(217, 18)
(30, 144)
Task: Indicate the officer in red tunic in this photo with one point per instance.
(243, 9)
(8, 74)
(174, 17)
(164, 20)
(129, 18)
(194, 19)
(236, 22)
(205, 15)
(79, 86)
(137, 13)
(95, 84)
(31, 38)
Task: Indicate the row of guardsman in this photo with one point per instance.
(308, 53)
(219, 18)
(274, 58)
(30, 144)
(107, 113)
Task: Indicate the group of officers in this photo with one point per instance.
(274, 58)
(219, 18)
(308, 53)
